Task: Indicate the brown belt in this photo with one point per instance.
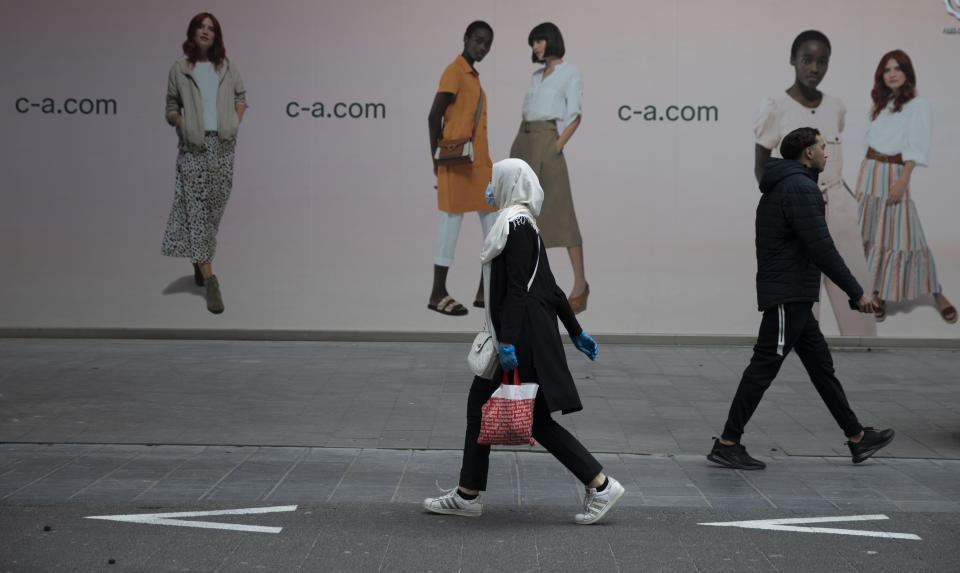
(877, 156)
(547, 125)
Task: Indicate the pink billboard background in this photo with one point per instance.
(331, 221)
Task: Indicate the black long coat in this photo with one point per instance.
(528, 320)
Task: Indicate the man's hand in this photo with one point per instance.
(865, 304)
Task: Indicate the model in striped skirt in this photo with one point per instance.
(898, 137)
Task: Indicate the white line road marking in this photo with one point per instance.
(789, 524)
(174, 518)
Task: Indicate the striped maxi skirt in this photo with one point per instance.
(899, 262)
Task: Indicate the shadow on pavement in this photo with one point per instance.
(184, 285)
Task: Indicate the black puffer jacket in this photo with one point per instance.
(793, 243)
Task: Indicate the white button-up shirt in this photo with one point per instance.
(556, 98)
(783, 114)
(907, 132)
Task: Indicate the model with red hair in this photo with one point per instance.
(898, 140)
(206, 101)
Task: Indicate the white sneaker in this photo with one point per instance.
(452, 504)
(596, 504)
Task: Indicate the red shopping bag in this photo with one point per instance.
(507, 417)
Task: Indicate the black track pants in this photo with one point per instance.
(787, 327)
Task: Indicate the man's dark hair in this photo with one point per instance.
(809, 36)
(547, 31)
(477, 25)
(796, 141)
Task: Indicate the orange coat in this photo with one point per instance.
(460, 188)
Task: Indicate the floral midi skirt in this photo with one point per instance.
(201, 189)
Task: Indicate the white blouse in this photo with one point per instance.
(783, 114)
(209, 82)
(907, 132)
(557, 98)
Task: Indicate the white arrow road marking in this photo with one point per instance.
(172, 518)
(787, 524)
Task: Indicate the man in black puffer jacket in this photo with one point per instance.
(793, 248)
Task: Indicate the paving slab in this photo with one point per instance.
(638, 399)
(258, 474)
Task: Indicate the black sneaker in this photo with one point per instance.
(870, 443)
(735, 457)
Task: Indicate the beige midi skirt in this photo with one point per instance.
(536, 143)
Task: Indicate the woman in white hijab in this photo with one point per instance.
(524, 303)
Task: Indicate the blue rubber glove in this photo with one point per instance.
(507, 357)
(586, 344)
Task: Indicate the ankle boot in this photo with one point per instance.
(197, 275)
(214, 300)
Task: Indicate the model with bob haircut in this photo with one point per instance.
(804, 105)
(206, 101)
(898, 139)
(551, 115)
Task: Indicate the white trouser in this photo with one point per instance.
(448, 229)
(842, 223)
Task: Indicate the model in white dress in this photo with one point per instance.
(803, 105)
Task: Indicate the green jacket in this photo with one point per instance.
(183, 97)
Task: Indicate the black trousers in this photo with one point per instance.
(551, 435)
(787, 327)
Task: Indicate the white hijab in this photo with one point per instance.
(517, 192)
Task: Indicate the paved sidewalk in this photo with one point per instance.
(145, 475)
(355, 435)
(637, 399)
